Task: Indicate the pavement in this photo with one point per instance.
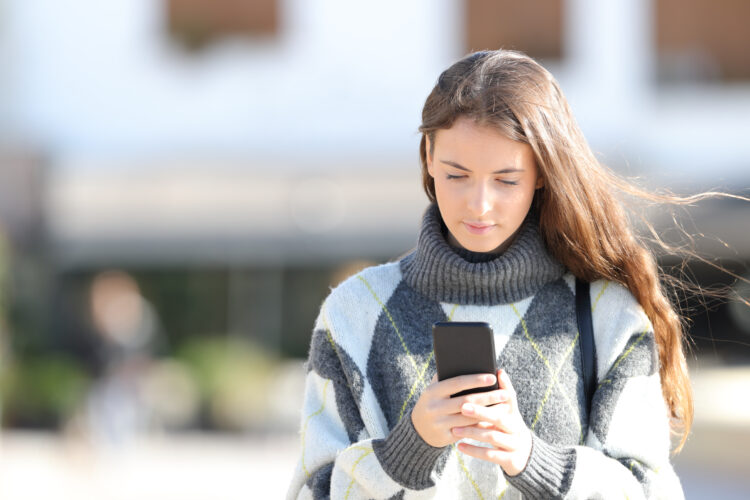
(185, 467)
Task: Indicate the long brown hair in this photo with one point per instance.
(582, 216)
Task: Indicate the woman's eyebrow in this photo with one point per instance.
(507, 170)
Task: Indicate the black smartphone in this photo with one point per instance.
(464, 348)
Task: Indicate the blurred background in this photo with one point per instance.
(182, 181)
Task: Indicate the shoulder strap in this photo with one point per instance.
(588, 350)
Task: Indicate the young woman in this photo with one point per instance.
(519, 208)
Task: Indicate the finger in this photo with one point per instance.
(453, 405)
(484, 425)
(451, 421)
(499, 457)
(491, 436)
(487, 398)
(500, 415)
(460, 383)
(434, 378)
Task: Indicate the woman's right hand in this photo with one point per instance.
(436, 412)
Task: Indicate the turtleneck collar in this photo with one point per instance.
(456, 275)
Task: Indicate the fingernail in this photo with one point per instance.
(458, 431)
(489, 379)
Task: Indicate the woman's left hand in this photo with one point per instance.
(502, 427)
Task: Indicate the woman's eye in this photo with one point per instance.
(510, 183)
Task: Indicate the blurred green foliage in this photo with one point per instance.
(4, 266)
(43, 391)
(53, 352)
(233, 377)
(4, 354)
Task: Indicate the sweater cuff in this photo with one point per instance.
(406, 457)
(548, 473)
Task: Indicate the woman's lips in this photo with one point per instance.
(478, 229)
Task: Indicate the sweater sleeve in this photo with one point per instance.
(339, 457)
(626, 451)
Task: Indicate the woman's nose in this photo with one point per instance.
(481, 199)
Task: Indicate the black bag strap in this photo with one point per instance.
(588, 349)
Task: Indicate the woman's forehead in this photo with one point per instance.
(468, 142)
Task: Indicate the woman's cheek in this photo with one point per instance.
(518, 195)
(455, 191)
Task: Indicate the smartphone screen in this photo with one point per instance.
(464, 348)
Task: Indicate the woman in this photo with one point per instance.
(519, 208)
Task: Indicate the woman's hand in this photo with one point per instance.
(500, 426)
(436, 413)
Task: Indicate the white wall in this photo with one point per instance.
(97, 85)
(93, 79)
(101, 78)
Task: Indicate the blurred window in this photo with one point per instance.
(702, 40)
(531, 26)
(197, 23)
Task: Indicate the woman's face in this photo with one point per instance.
(484, 184)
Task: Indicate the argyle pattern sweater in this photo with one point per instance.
(371, 357)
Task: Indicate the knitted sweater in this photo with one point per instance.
(371, 357)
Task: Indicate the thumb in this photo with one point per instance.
(504, 382)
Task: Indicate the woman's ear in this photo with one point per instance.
(539, 176)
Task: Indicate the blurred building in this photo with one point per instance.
(249, 149)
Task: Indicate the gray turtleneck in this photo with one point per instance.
(371, 357)
(452, 274)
